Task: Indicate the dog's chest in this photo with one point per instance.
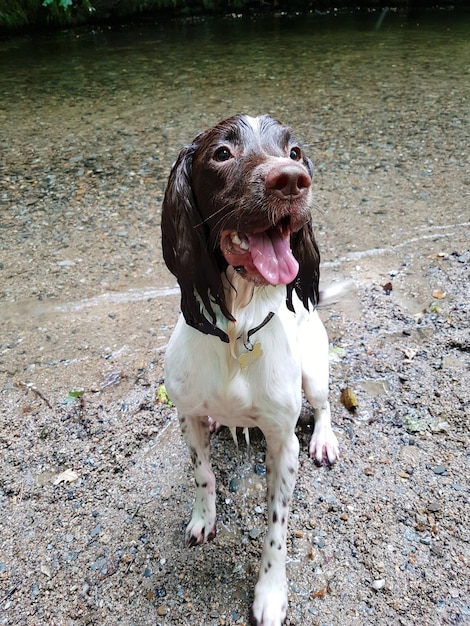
(255, 375)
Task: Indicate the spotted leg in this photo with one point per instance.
(270, 603)
(201, 528)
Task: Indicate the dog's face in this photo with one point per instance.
(239, 195)
(252, 185)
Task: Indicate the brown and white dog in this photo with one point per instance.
(237, 234)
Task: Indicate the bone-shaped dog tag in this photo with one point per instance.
(247, 358)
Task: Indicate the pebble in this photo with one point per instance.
(410, 535)
(437, 550)
(162, 610)
(260, 469)
(234, 485)
(379, 584)
(439, 469)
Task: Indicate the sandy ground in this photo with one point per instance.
(95, 482)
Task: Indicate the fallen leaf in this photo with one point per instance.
(348, 400)
(68, 476)
(438, 293)
(320, 593)
(162, 396)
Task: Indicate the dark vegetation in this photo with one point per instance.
(32, 15)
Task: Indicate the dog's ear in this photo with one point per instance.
(187, 251)
(305, 250)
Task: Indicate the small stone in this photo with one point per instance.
(234, 485)
(162, 610)
(253, 533)
(299, 534)
(434, 507)
(46, 570)
(379, 584)
(410, 535)
(437, 550)
(260, 469)
(439, 469)
(95, 531)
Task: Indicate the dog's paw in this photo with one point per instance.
(199, 531)
(324, 447)
(270, 605)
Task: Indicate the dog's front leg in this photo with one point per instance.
(270, 603)
(201, 528)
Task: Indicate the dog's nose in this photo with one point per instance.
(287, 180)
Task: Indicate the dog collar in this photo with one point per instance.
(247, 340)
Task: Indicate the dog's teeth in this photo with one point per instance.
(239, 242)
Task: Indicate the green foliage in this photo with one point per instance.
(74, 396)
(64, 4)
(68, 5)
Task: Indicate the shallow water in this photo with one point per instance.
(92, 120)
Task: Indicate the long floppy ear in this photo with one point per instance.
(305, 250)
(187, 251)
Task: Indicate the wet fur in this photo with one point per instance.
(219, 307)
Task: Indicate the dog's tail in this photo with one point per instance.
(334, 292)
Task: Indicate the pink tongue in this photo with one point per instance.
(273, 258)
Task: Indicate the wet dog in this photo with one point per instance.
(237, 234)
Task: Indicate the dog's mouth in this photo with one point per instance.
(262, 256)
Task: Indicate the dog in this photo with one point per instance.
(237, 234)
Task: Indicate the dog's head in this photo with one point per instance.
(239, 195)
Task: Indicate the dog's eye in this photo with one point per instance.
(295, 153)
(222, 154)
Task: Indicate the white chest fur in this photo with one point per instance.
(255, 376)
